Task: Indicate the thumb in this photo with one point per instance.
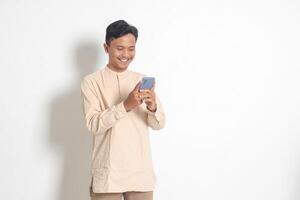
(137, 87)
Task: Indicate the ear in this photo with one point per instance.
(105, 47)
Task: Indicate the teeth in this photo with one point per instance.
(124, 60)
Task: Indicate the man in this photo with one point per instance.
(118, 114)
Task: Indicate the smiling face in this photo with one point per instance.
(121, 52)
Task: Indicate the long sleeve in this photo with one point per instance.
(98, 121)
(156, 120)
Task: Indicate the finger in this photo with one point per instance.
(139, 99)
(145, 95)
(137, 86)
(139, 96)
(148, 95)
(142, 96)
(152, 89)
(148, 101)
(151, 93)
(146, 91)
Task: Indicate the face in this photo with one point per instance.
(121, 52)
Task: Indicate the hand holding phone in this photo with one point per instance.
(147, 83)
(142, 93)
(148, 97)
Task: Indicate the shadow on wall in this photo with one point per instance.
(68, 133)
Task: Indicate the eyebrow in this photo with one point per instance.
(124, 46)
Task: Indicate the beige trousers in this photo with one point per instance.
(118, 196)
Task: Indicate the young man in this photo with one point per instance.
(118, 114)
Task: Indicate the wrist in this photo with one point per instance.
(152, 108)
(126, 106)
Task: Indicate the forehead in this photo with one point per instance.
(125, 40)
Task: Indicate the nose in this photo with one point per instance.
(125, 53)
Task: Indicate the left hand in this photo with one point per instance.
(148, 96)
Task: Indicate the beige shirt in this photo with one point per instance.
(121, 154)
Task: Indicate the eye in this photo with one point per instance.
(119, 48)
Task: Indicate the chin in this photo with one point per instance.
(123, 67)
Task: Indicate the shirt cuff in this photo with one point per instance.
(120, 110)
(157, 114)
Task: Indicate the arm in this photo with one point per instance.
(156, 120)
(98, 121)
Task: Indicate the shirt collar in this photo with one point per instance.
(119, 74)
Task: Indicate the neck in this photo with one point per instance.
(115, 69)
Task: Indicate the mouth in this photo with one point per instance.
(124, 60)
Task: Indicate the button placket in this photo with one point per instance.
(119, 88)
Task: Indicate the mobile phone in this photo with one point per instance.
(147, 83)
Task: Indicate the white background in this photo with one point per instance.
(227, 73)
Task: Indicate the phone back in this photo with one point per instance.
(147, 83)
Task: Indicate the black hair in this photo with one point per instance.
(118, 29)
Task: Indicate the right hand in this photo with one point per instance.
(134, 98)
